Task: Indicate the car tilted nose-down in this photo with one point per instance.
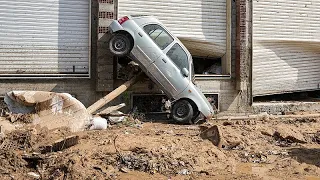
(165, 60)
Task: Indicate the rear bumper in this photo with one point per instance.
(115, 26)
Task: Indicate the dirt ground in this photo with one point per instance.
(265, 148)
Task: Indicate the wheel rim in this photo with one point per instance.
(182, 110)
(119, 45)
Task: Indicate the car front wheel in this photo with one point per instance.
(119, 45)
(182, 112)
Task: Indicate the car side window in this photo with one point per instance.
(178, 56)
(159, 35)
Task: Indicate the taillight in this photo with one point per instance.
(123, 19)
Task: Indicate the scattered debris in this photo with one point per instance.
(17, 140)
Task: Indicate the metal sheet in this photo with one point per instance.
(286, 44)
(44, 37)
(193, 22)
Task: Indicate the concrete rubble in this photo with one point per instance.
(47, 109)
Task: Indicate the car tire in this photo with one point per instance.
(182, 112)
(120, 45)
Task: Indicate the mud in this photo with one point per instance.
(255, 149)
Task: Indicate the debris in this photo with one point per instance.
(111, 109)
(98, 123)
(60, 145)
(316, 137)
(24, 118)
(232, 145)
(34, 175)
(212, 134)
(254, 157)
(226, 123)
(116, 119)
(48, 109)
(17, 140)
(124, 169)
(115, 93)
(184, 172)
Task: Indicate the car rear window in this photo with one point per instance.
(159, 35)
(178, 56)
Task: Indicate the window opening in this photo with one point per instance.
(159, 35)
(207, 66)
(178, 56)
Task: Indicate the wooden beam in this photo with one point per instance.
(112, 95)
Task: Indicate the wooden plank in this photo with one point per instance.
(115, 93)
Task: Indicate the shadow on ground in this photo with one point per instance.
(305, 155)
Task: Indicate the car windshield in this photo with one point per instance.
(159, 35)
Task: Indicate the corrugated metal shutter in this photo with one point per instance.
(200, 25)
(44, 36)
(286, 46)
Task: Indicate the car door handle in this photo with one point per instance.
(164, 60)
(140, 34)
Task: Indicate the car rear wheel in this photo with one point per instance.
(182, 112)
(120, 45)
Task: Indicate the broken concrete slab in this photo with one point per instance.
(49, 109)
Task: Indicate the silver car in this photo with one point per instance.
(165, 60)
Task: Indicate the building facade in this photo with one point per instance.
(241, 49)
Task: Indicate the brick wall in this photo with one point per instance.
(104, 66)
(243, 53)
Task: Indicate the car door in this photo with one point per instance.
(170, 65)
(147, 38)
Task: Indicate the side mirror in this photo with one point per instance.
(185, 72)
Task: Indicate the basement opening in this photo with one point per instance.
(155, 103)
(207, 66)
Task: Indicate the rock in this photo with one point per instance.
(226, 123)
(212, 134)
(266, 132)
(288, 134)
(184, 172)
(34, 175)
(124, 170)
(182, 163)
(275, 152)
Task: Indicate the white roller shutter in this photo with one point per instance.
(200, 25)
(44, 37)
(286, 46)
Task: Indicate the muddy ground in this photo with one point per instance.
(265, 148)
